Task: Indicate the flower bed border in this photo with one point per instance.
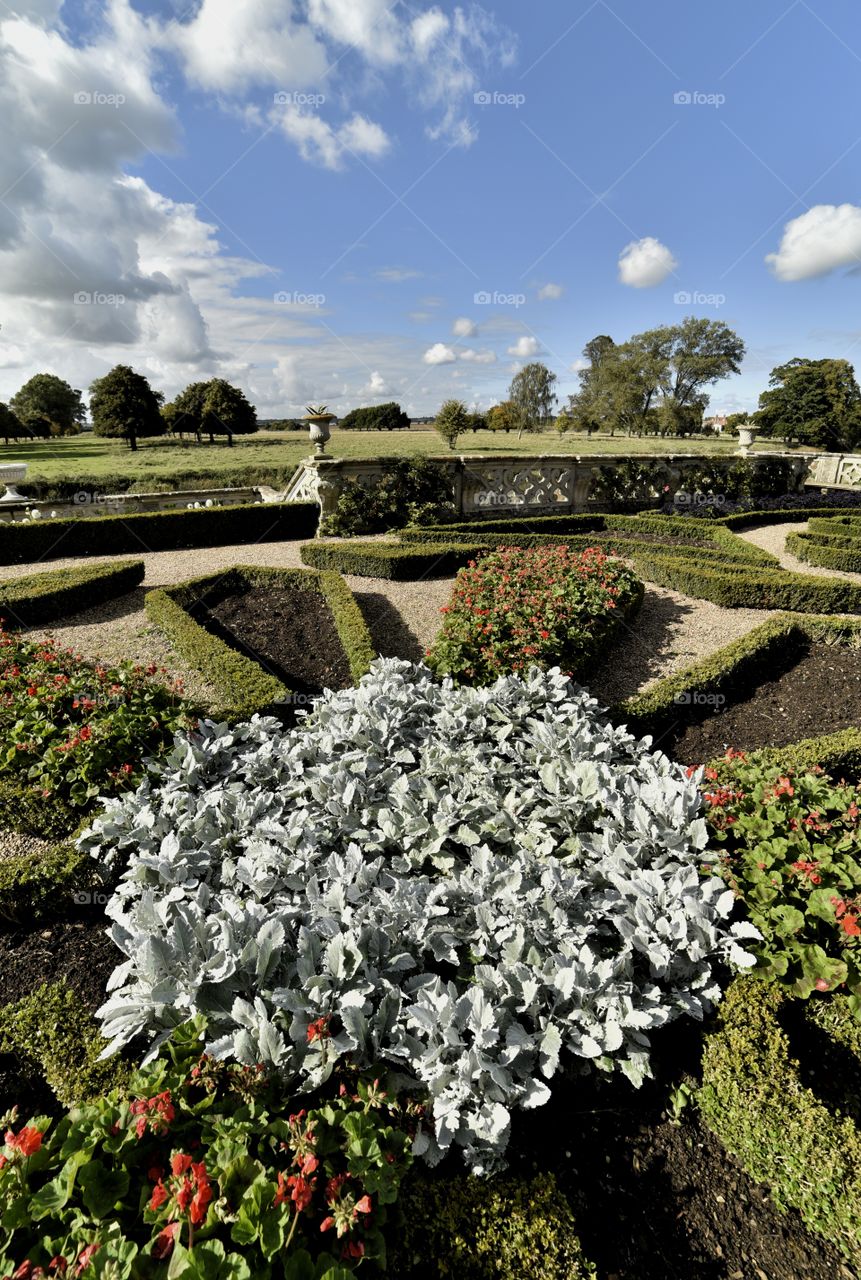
(827, 550)
(753, 1100)
(745, 659)
(392, 560)
(51, 1033)
(243, 686)
(43, 597)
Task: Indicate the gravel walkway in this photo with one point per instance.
(670, 632)
(403, 617)
(772, 537)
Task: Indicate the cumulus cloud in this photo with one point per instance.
(550, 291)
(823, 239)
(439, 353)
(463, 327)
(645, 263)
(524, 347)
(376, 385)
(478, 357)
(318, 141)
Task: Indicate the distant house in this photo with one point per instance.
(422, 422)
(717, 424)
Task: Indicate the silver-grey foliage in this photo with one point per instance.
(469, 883)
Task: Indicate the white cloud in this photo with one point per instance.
(524, 347)
(318, 141)
(645, 263)
(229, 47)
(478, 357)
(439, 353)
(376, 385)
(463, 327)
(826, 237)
(550, 291)
(579, 365)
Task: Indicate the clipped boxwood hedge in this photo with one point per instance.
(392, 560)
(53, 1037)
(753, 1099)
(157, 531)
(43, 597)
(749, 587)
(508, 1228)
(826, 551)
(243, 686)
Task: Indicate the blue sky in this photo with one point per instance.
(313, 198)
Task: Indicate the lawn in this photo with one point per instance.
(270, 457)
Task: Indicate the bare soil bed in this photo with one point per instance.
(291, 633)
(820, 693)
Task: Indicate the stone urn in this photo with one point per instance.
(12, 473)
(319, 426)
(746, 437)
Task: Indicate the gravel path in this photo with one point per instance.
(772, 537)
(403, 617)
(670, 632)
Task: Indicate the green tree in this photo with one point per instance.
(655, 380)
(813, 402)
(376, 417)
(47, 396)
(532, 397)
(501, 417)
(11, 427)
(477, 422)
(227, 412)
(124, 406)
(184, 414)
(451, 421)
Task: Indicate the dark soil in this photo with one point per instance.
(820, 693)
(660, 1199)
(76, 950)
(290, 632)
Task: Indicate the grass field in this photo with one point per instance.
(271, 457)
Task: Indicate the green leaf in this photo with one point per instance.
(102, 1188)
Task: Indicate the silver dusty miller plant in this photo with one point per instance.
(469, 884)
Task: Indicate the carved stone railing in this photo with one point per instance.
(88, 503)
(836, 471)
(545, 484)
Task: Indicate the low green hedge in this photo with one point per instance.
(22, 808)
(792, 515)
(753, 1099)
(844, 530)
(729, 671)
(843, 555)
(46, 883)
(614, 542)
(392, 560)
(53, 1037)
(43, 597)
(508, 1228)
(749, 587)
(157, 531)
(243, 686)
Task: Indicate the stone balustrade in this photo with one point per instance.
(545, 484)
(836, 471)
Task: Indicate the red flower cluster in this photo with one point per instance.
(187, 1192)
(521, 605)
(153, 1115)
(24, 1143)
